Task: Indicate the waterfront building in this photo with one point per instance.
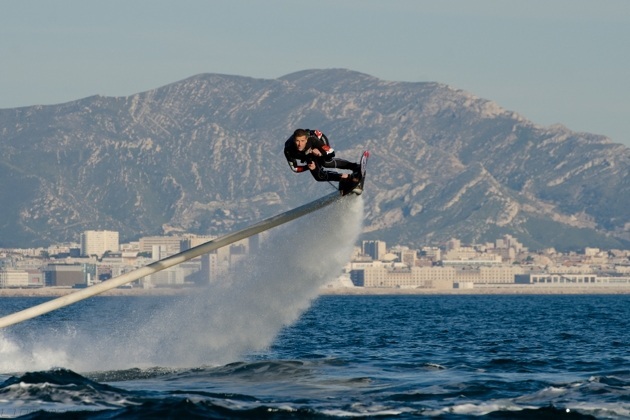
(72, 249)
(404, 255)
(375, 249)
(71, 275)
(35, 278)
(589, 279)
(402, 276)
(29, 264)
(569, 269)
(357, 271)
(510, 242)
(171, 244)
(482, 260)
(461, 254)
(133, 246)
(13, 278)
(98, 242)
(497, 274)
(159, 252)
(432, 253)
(191, 241)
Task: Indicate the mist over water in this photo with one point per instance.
(242, 312)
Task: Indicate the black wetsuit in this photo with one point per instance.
(299, 160)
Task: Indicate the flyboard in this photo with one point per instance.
(355, 187)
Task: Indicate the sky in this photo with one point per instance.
(552, 61)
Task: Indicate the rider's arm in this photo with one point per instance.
(321, 143)
(295, 165)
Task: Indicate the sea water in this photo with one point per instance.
(261, 343)
(392, 356)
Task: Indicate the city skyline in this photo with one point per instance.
(201, 238)
(372, 265)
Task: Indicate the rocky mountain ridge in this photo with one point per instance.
(204, 155)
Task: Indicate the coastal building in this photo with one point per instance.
(484, 265)
(432, 253)
(546, 279)
(170, 245)
(461, 253)
(69, 275)
(497, 274)
(402, 276)
(404, 255)
(29, 264)
(509, 242)
(374, 249)
(191, 241)
(13, 278)
(357, 271)
(98, 242)
(35, 278)
(70, 249)
(482, 260)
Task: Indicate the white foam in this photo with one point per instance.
(267, 292)
(216, 325)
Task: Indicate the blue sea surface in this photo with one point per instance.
(437, 356)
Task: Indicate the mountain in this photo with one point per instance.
(204, 155)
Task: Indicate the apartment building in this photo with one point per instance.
(97, 242)
(13, 278)
(401, 276)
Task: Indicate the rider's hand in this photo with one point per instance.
(311, 165)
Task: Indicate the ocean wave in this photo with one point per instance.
(295, 389)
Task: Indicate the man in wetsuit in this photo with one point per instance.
(310, 150)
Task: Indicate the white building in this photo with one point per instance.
(547, 279)
(171, 244)
(401, 276)
(14, 278)
(496, 274)
(97, 242)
